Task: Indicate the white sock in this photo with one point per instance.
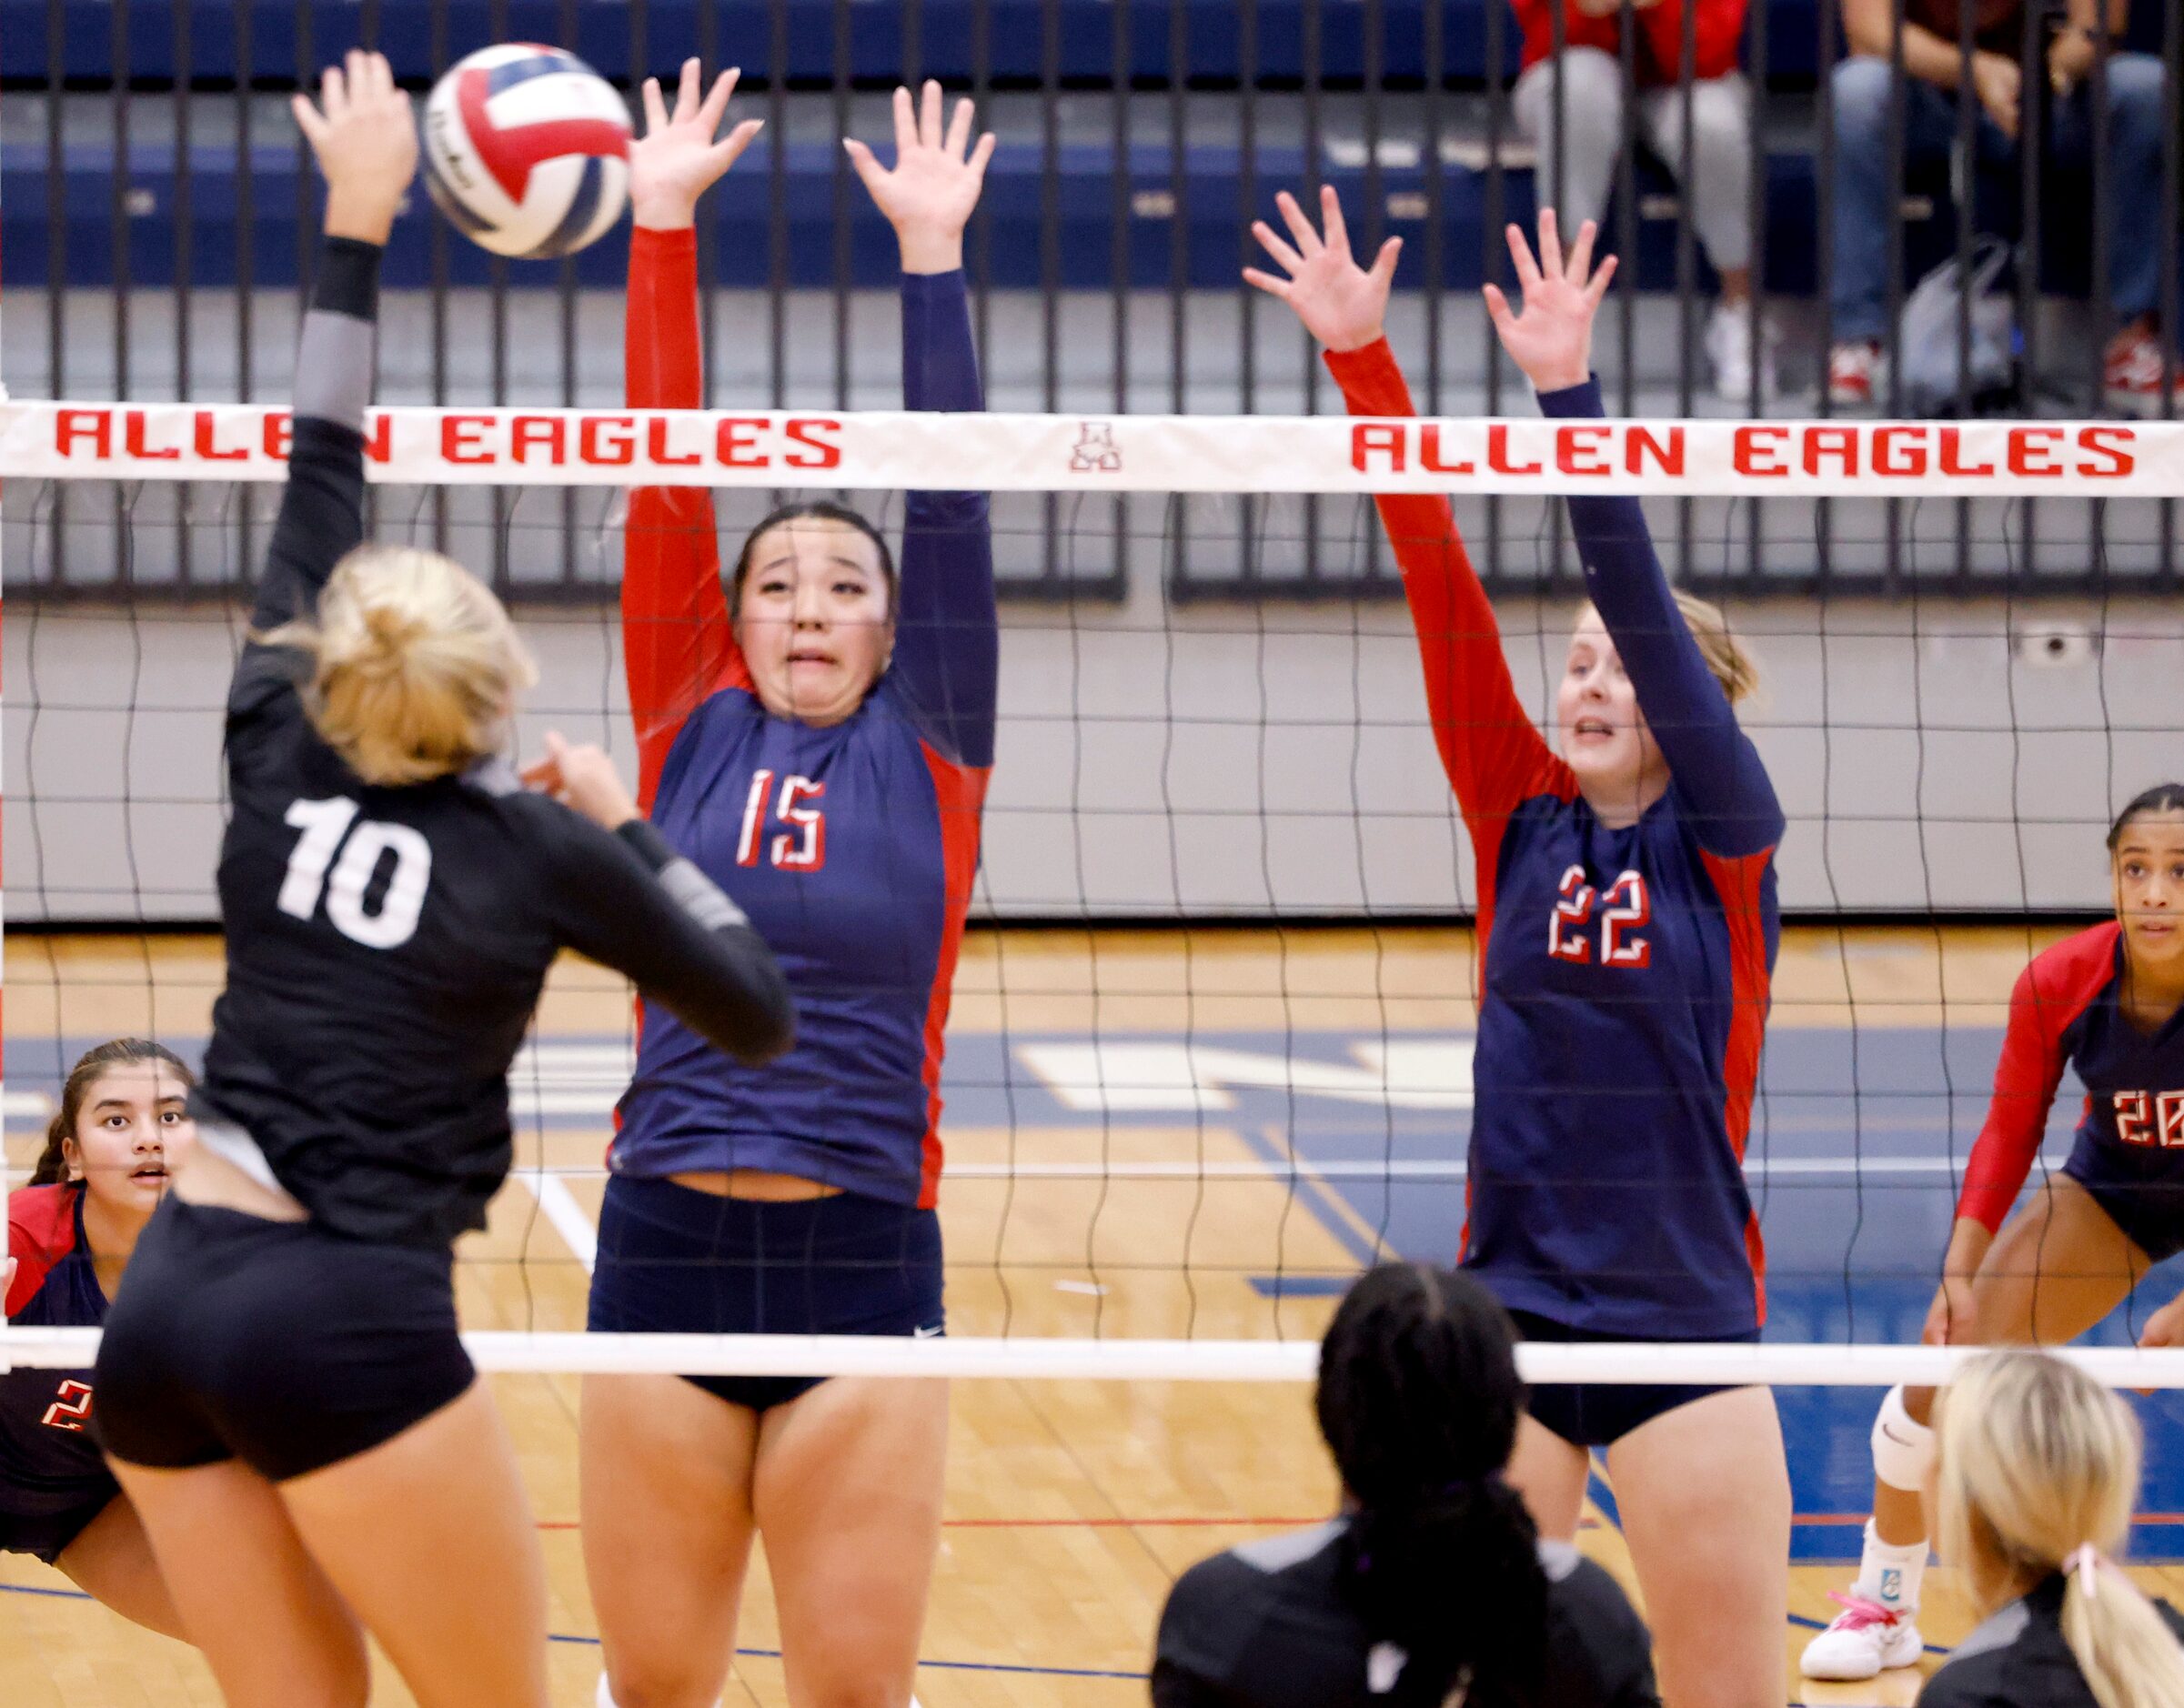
(1889, 1574)
(606, 1695)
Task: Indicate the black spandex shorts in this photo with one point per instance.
(1600, 1413)
(46, 1535)
(276, 1342)
(676, 1261)
(2142, 1192)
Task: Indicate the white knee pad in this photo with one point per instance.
(1903, 1448)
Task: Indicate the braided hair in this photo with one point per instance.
(1419, 1399)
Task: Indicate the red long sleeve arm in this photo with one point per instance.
(677, 643)
(2025, 1076)
(1493, 755)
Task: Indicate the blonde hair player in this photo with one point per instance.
(2039, 1473)
(2108, 1003)
(1627, 926)
(818, 731)
(281, 1388)
(71, 1232)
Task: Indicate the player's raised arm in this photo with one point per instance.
(1711, 760)
(946, 645)
(677, 642)
(365, 139)
(1494, 756)
(657, 918)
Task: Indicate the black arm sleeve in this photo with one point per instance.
(629, 901)
(322, 509)
(321, 515)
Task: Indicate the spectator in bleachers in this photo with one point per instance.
(1865, 185)
(1589, 130)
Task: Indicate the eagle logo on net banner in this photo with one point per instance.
(1096, 451)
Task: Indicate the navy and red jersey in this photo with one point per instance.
(1626, 971)
(49, 1463)
(851, 848)
(2066, 1011)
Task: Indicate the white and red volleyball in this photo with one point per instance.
(527, 150)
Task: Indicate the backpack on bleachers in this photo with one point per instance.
(1929, 341)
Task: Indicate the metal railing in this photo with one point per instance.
(158, 212)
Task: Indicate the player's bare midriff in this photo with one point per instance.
(755, 1183)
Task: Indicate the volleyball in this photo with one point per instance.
(526, 151)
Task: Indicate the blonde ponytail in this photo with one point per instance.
(2039, 1473)
(415, 665)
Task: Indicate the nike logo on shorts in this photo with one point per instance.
(927, 1334)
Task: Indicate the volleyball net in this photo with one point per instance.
(1209, 1049)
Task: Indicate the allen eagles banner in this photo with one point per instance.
(1121, 453)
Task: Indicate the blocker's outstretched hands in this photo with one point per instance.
(929, 194)
(365, 139)
(677, 159)
(1342, 304)
(1552, 340)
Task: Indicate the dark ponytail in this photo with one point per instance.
(1419, 1401)
(52, 1166)
(2161, 798)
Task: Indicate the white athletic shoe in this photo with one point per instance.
(1730, 352)
(1865, 1640)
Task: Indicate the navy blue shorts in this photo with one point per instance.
(46, 1535)
(1600, 1413)
(2143, 1192)
(676, 1261)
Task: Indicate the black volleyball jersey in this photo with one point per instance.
(386, 946)
(2018, 1658)
(1267, 1625)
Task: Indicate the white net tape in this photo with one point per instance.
(869, 451)
(1056, 1357)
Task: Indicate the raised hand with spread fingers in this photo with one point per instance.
(1551, 339)
(678, 160)
(929, 194)
(1342, 304)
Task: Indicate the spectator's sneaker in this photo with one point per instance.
(1855, 372)
(1729, 351)
(1864, 1641)
(2132, 371)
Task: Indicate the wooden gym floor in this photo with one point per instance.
(1158, 1134)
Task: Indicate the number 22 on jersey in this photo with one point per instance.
(1624, 908)
(330, 827)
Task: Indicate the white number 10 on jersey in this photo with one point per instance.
(325, 824)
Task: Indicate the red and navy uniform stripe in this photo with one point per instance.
(48, 1461)
(1626, 969)
(852, 849)
(2064, 1012)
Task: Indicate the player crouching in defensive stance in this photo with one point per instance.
(123, 1122)
(2108, 1003)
